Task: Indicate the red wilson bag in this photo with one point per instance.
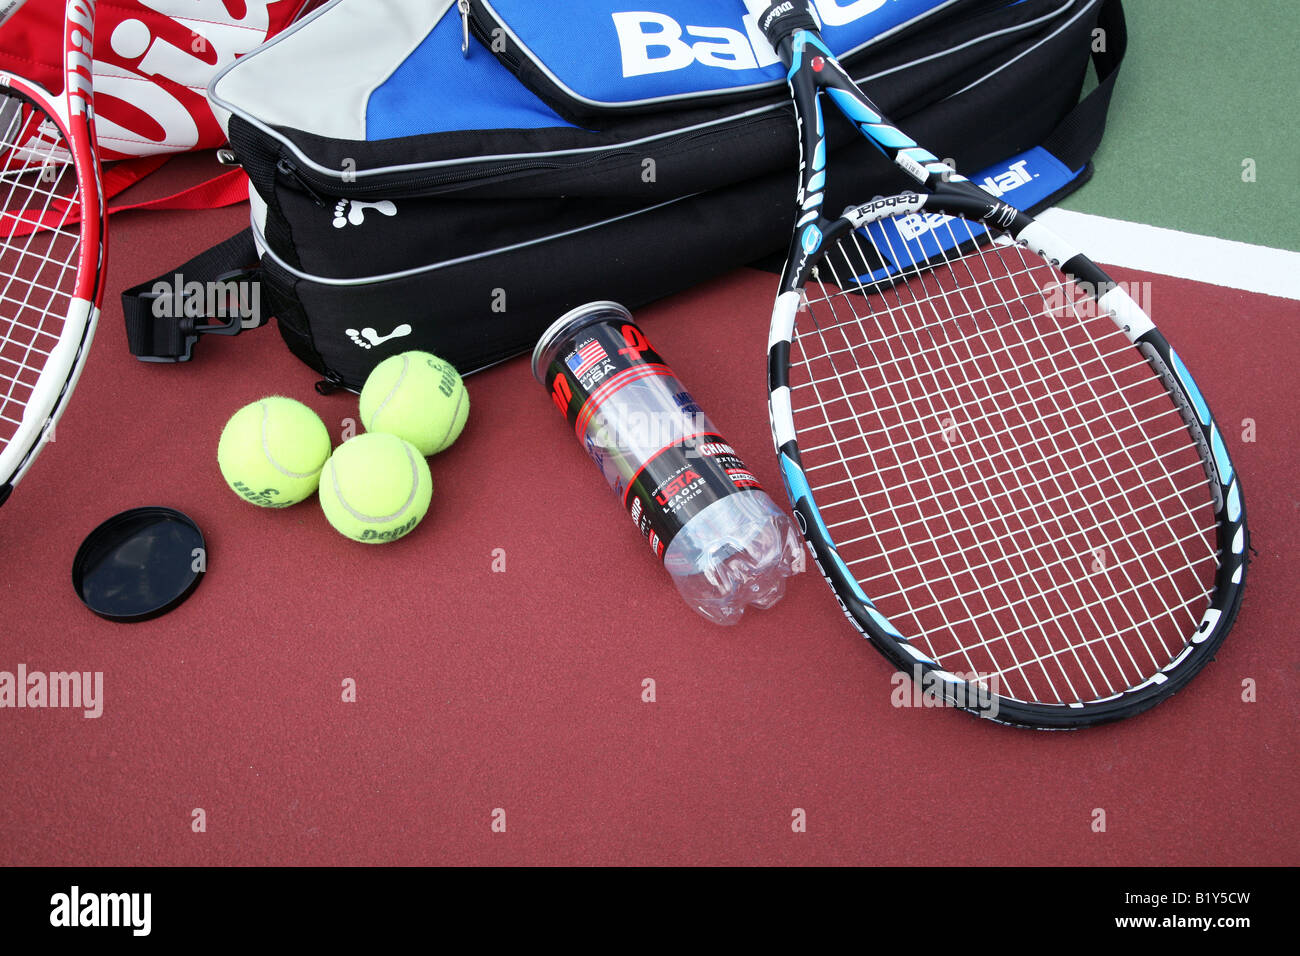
(153, 61)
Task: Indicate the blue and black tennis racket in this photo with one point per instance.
(1006, 474)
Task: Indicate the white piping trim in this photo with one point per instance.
(259, 238)
(1042, 19)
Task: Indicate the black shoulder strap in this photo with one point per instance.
(165, 316)
(1077, 136)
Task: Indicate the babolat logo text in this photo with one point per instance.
(107, 910)
(653, 42)
(915, 226)
(906, 201)
(1016, 175)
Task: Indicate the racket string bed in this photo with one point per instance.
(1009, 528)
(970, 432)
(978, 287)
(39, 248)
(1006, 600)
(1174, 431)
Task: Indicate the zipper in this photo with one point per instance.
(463, 7)
(313, 184)
(304, 179)
(331, 383)
(473, 21)
(290, 172)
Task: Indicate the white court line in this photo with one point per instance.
(1224, 262)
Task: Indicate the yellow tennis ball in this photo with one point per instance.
(418, 397)
(271, 452)
(375, 488)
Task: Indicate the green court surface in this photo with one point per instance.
(1206, 88)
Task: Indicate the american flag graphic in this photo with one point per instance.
(586, 357)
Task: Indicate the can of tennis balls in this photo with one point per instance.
(700, 509)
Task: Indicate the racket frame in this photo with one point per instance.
(72, 112)
(814, 70)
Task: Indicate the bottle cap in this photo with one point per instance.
(565, 326)
(139, 564)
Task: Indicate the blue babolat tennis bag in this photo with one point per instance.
(451, 176)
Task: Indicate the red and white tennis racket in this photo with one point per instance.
(52, 244)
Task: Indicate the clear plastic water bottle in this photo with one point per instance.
(724, 542)
(736, 552)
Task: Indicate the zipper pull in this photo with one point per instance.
(463, 7)
(289, 171)
(331, 383)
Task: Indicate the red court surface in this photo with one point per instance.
(521, 691)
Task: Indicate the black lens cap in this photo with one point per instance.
(139, 564)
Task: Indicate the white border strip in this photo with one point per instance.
(1223, 262)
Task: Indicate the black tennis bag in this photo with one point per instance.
(452, 177)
